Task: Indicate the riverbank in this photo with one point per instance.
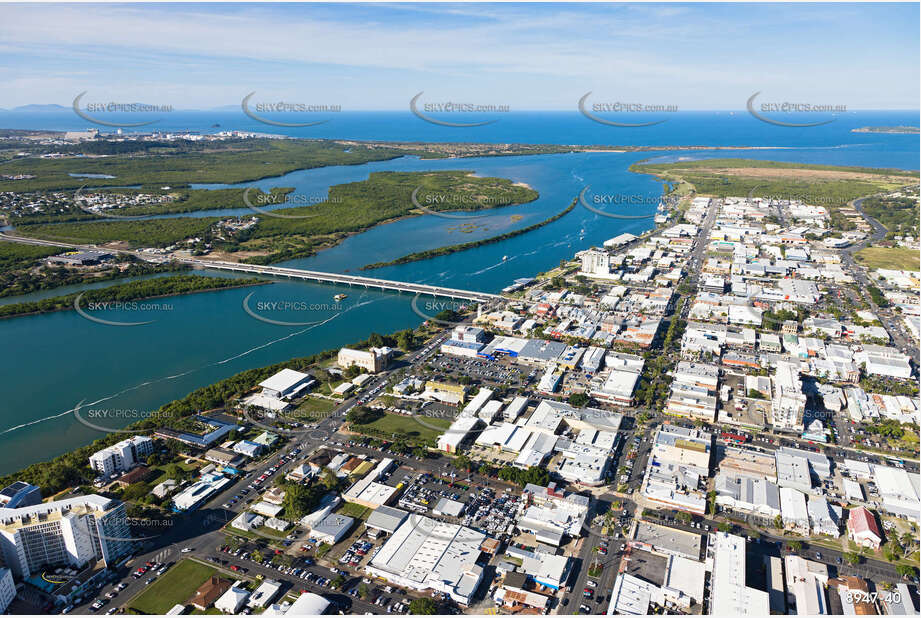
(424, 255)
(118, 295)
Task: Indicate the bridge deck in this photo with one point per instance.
(371, 282)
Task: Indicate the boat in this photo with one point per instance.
(504, 258)
(339, 297)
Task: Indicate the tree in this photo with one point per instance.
(683, 517)
(337, 582)
(422, 607)
(795, 546)
(578, 400)
(136, 491)
(257, 556)
(323, 549)
(711, 502)
(778, 522)
(905, 570)
(363, 590)
(853, 557)
(724, 526)
(362, 415)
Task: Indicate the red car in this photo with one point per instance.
(234, 567)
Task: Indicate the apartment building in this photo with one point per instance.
(122, 456)
(70, 532)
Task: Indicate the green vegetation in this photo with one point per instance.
(423, 607)
(14, 256)
(303, 230)
(173, 588)
(899, 215)
(181, 163)
(534, 474)
(21, 272)
(894, 258)
(126, 292)
(431, 253)
(146, 233)
(391, 426)
(821, 185)
(355, 511)
(313, 409)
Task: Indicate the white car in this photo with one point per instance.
(186, 550)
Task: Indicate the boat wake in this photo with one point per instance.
(185, 373)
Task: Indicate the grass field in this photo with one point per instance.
(896, 258)
(408, 427)
(313, 409)
(356, 511)
(173, 588)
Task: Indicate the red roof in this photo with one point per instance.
(861, 520)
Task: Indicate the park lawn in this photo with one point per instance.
(314, 409)
(894, 258)
(408, 427)
(173, 588)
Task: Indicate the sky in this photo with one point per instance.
(524, 56)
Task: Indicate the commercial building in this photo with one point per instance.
(748, 495)
(618, 387)
(789, 402)
(368, 491)
(122, 456)
(233, 599)
(264, 594)
(308, 604)
(898, 491)
(793, 510)
(332, 528)
(460, 431)
(729, 596)
(806, 582)
(551, 514)
(69, 532)
(286, 384)
(372, 360)
(424, 554)
(386, 520)
(196, 494)
(823, 517)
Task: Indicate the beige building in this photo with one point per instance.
(372, 360)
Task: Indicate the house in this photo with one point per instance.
(209, 592)
(862, 528)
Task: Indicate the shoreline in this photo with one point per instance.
(173, 295)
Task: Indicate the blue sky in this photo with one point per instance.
(536, 56)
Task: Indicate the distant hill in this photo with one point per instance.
(41, 107)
